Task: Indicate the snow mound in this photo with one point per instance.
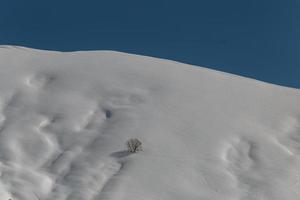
(65, 118)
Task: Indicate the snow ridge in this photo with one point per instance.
(65, 118)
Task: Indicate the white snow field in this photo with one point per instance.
(207, 135)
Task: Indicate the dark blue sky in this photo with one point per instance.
(253, 38)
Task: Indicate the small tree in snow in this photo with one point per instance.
(134, 145)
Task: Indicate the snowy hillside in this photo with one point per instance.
(207, 135)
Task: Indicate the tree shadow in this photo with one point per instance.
(120, 154)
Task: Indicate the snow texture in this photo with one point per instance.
(207, 135)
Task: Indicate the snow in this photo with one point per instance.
(65, 119)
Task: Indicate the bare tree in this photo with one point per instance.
(134, 145)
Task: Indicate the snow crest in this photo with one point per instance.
(65, 118)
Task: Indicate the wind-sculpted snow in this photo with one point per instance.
(65, 119)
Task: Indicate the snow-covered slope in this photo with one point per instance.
(207, 135)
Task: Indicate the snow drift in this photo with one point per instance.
(65, 119)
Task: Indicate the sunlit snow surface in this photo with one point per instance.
(207, 135)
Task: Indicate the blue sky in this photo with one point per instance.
(255, 38)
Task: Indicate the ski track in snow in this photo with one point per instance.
(63, 131)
